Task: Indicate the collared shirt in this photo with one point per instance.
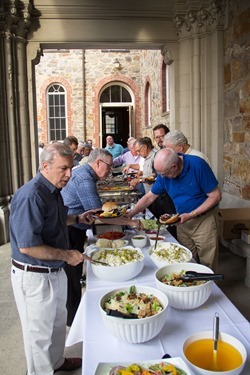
(148, 168)
(127, 158)
(115, 150)
(38, 217)
(80, 194)
(190, 188)
(192, 151)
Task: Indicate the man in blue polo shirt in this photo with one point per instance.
(191, 184)
(113, 148)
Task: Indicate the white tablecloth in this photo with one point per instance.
(100, 346)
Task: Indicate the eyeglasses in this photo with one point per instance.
(109, 165)
(160, 136)
(139, 149)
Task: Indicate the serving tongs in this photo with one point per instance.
(193, 275)
(119, 314)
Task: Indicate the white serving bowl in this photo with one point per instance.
(222, 337)
(135, 331)
(152, 239)
(139, 240)
(119, 273)
(184, 298)
(169, 253)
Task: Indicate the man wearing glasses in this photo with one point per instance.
(192, 185)
(163, 204)
(80, 194)
(159, 132)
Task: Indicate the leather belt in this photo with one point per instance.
(33, 268)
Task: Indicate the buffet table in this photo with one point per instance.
(100, 346)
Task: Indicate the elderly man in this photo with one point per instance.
(131, 159)
(179, 143)
(39, 251)
(81, 195)
(191, 184)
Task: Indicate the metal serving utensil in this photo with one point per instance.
(99, 262)
(193, 275)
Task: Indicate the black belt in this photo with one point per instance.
(34, 269)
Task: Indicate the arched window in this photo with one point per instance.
(147, 105)
(56, 106)
(115, 94)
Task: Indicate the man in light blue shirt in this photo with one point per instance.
(113, 148)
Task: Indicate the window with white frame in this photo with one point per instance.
(56, 110)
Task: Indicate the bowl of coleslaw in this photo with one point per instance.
(134, 314)
(169, 253)
(183, 295)
(123, 263)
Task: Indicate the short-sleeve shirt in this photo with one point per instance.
(38, 217)
(115, 150)
(189, 189)
(80, 194)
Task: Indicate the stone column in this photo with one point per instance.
(15, 150)
(199, 80)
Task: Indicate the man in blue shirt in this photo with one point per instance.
(112, 147)
(81, 195)
(40, 250)
(191, 184)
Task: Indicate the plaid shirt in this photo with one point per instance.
(80, 194)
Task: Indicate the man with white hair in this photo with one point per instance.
(130, 158)
(179, 143)
(191, 184)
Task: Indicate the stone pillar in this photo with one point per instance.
(15, 155)
(199, 80)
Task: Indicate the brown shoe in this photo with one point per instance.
(70, 364)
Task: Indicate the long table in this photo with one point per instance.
(100, 346)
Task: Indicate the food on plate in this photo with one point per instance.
(171, 253)
(174, 279)
(117, 257)
(112, 235)
(160, 368)
(149, 179)
(169, 219)
(136, 305)
(103, 242)
(112, 209)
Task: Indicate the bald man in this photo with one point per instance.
(191, 184)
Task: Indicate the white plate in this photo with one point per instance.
(104, 368)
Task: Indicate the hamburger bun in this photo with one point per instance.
(169, 219)
(109, 206)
